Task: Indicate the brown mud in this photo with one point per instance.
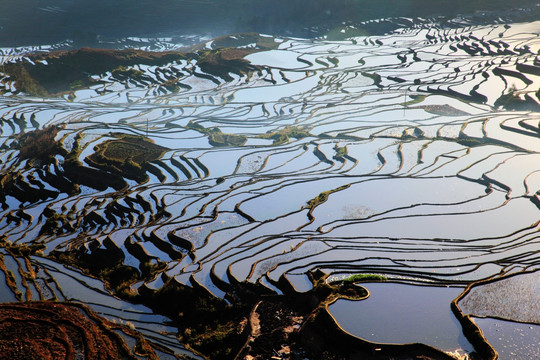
(58, 330)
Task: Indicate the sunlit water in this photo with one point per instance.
(437, 185)
(400, 313)
(511, 339)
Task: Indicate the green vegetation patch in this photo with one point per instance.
(76, 85)
(216, 137)
(323, 196)
(126, 155)
(341, 152)
(415, 99)
(364, 277)
(137, 150)
(127, 72)
(55, 223)
(283, 135)
(210, 339)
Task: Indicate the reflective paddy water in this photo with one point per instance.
(402, 313)
(421, 177)
(511, 339)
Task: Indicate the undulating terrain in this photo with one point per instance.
(223, 199)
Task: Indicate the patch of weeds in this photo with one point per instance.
(66, 70)
(126, 155)
(323, 196)
(77, 84)
(216, 137)
(122, 71)
(415, 99)
(364, 277)
(283, 135)
(209, 339)
(341, 152)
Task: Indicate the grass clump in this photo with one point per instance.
(323, 196)
(341, 152)
(56, 224)
(415, 99)
(216, 137)
(364, 277)
(209, 339)
(283, 135)
(126, 155)
(77, 84)
(127, 72)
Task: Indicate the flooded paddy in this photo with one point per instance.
(413, 155)
(401, 313)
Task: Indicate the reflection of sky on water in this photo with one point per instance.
(400, 313)
(422, 181)
(513, 341)
(412, 177)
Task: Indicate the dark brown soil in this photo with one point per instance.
(126, 156)
(51, 330)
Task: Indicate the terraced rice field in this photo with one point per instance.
(413, 155)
